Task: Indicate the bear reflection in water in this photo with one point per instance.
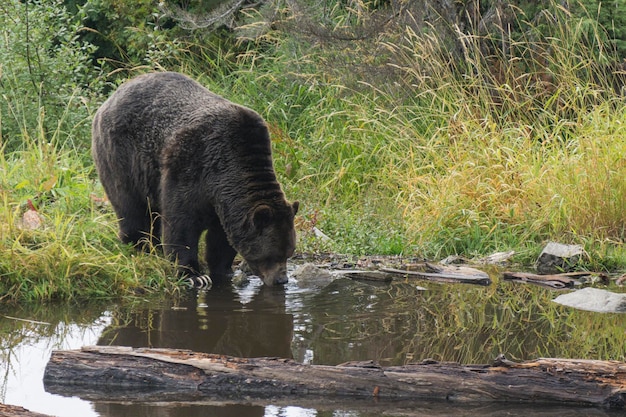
(213, 321)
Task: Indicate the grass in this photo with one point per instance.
(424, 155)
(74, 253)
(488, 153)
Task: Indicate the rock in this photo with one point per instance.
(31, 220)
(498, 258)
(240, 278)
(321, 235)
(310, 275)
(594, 299)
(454, 260)
(557, 257)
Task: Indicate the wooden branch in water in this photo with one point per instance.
(445, 273)
(565, 280)
(108, 372)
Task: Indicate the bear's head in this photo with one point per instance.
(271, 241)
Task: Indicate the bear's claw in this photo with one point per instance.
(199, 281)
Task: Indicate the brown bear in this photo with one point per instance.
(175, 160)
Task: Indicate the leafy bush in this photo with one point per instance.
(47, 80)
(609, 15)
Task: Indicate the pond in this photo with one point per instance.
(392, 323)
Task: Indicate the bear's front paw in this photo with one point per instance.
(199, 281)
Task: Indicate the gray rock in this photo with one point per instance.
(594, 299)
(241, 278)
(498, 258)
(557, 257)
(310, 275)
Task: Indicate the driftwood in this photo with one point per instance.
(444, 273)
(366, 275)
(141, 374)
(15, 411)
(558, 281)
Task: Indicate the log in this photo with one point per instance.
(16, 411)
(557, 281)
(124, 373)
(365, 275)
(445, 274)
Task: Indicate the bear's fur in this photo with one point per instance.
(176, 159)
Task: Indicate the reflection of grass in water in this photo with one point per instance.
(520, 321)
(47, 323)
(476, 325)
(461, 323)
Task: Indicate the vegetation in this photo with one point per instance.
(398, 135)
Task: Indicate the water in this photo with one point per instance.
(346, 320)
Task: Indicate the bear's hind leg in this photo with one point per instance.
(219, 253)
(180, 242)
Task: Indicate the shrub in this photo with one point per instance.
(47, 80)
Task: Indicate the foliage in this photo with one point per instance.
(468, 155)
(394, 142)
(74, 252)
(126, 33)
(47, 81)
(611, 16)
(509, 151)
(151, 35)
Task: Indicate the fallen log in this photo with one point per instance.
(445, 273)
(365, 275)
(138, 373)
(16, 411)
(557, 281)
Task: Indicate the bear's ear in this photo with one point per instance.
(295, 206)
(262, 216)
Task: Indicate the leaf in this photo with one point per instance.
(49, 184)
(22, 184)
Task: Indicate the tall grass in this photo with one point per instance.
(523, 151)
(74, 252)
(505, 148)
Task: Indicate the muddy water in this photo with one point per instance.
(321, 324)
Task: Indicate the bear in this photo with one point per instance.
(176, 160)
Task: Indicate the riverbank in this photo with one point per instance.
(440, 156)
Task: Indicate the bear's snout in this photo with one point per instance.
(279, 279)
(272, 274)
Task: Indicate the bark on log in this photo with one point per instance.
(446, 274)
(15, 411)
(127, 373)
(557, 281)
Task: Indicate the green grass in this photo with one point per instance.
(74, 253)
